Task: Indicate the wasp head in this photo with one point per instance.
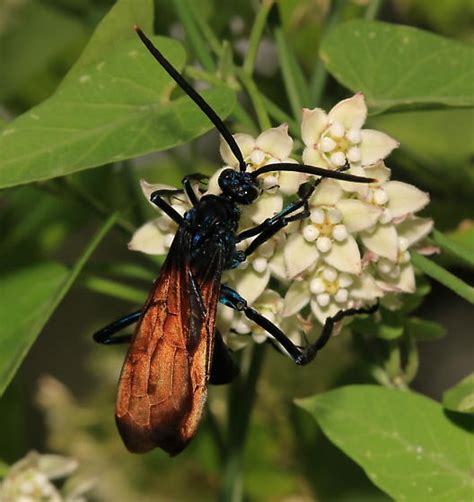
(239, 186)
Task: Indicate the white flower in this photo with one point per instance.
(396, 201)
(270, 147)
(155, 236)
(327, 235)
(328, 291)
(270, 305)
(332, 140)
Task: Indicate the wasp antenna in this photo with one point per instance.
(195, 96)
(318, 171)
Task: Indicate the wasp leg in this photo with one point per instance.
(105, 335)
(300, 356)
(272, 225)
(188, 186)
(157, 198)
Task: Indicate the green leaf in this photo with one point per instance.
(399, 66)
(436, 137)
(29, 298)
(403, 441)
(420, 329)
(113, 30)
(444, 277)
(460, 397)
(116, 109)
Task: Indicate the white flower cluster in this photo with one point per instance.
(351, 250)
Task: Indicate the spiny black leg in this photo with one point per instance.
(105, 335)
(157, 198)
(195, 96)
(188, 186)
(309, 353)
(232, 299)
(269, 221)
(273, 225)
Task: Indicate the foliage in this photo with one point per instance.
(75, 135)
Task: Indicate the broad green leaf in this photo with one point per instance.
(421, 329)
(29, 298)
(399, 66)
(460, 397)
(403, 441)
(115, 28)
(437, 137)
(116, 109)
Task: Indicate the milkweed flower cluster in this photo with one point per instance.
(354, 247)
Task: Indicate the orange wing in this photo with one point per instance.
(163, 385)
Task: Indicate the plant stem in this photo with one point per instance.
(256, 98)
(256, 35)
(114, 289)
(443, 276)
(280, 116)
(373, 9)
(411, 367)
(196, 42)
(320, 74)
(206, 30)
(242, 395)
(293, 78)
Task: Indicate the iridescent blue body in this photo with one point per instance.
(213, 222)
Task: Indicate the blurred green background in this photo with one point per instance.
(62, 397)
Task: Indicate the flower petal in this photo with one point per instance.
(414, 229)
(149, 188)
(379, 171)
(375, 145)
(323, 313)
(266, 206)
(383, 241)
(358, 215)
(406, 281)
(299, 255)
(327, 193)
(312, 157)
(289, 182)
(246, 144)
(296, 298)
(312, 126)
(352, 187)
(404, 198)
(345, 256)
(276, 142)
(350, 113)
(365, 288)
(277, 264)
(251, 284)
(213, 184)
(148, 239)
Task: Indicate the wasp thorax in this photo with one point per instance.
(239, 186)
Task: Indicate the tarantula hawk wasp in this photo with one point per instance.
(175, 350)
